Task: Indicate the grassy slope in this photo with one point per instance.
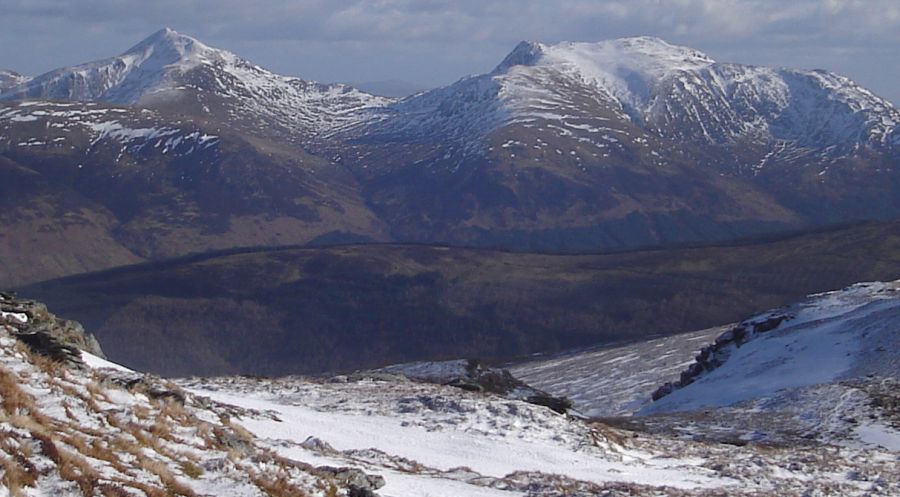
(312, 309)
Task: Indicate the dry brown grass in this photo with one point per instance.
(240, 431)
(94, 449)
(112, 490)
(96, 391)
(141, 412)
(191, 469)
(148, 490)
(89, 399)
(78, 470)
(16, 477)
(166, 477)
(161, 429)
(13, 399)
(276, 486)
(176, 412)
(603, 435)
(49, 366)
(31, 424)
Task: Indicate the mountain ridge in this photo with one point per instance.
(573, 147)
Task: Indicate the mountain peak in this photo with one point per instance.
(644, 54)
(526, 53)
(166, 47)
(626, 68)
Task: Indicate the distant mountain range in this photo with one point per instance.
(175, 147)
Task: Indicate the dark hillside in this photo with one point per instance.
(304, 310)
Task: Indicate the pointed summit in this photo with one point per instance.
(526, 53)
(167, 47)
(151, 66)
(168, 38)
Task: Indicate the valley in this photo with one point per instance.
(333, 309)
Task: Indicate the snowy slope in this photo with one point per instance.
(429, 440)
(826, 339)
(618, 380)
(830, 337)
(64, 125)
(105, 430)
(169, 67)
(824, 369)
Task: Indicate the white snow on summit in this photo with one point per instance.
(146, 67)
(169, 67)
(625, 68)
(635, 86)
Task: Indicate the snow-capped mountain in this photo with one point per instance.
(172, 70)
(628, 139)
(573, 146)
(619, 90)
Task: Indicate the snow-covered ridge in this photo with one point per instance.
(625, 68)
(643, 87)
(168, 66)
(646, 85)
(831, 336)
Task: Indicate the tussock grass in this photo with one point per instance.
(277, 486)
(78, 470)
(13, 399)
(166, 477)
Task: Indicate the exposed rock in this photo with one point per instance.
(357, 481)
(769, 324)
(317, 445)
(713, 355)
(558, 404)
(50, 346)
(46, 334)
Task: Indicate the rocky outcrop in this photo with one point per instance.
(358, 483)
(713, 355)
(44, 333)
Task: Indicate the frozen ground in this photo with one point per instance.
(832, 431)
(430, 439)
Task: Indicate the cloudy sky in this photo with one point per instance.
(431, 42)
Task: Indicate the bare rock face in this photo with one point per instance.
(713, 355)
(43, 332)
